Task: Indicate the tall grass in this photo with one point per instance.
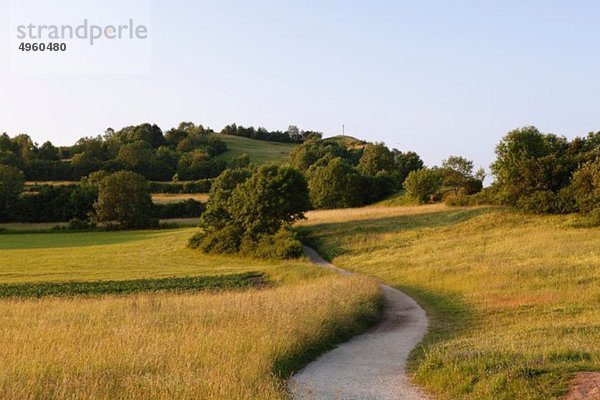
(515, 298)
(236, 345)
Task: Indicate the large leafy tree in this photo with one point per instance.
(251, 210)
(11, 186)
(422, 184)
(124, 199)
(376, 158)
(272, 197)
(529, 161)
(406, 163)
(334, 185)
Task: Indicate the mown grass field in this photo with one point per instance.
(514, 298)
(56, 256)
(163, 345)
(259, 151)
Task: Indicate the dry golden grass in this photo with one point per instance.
(515, 298)
(165, 198)
(164, 346)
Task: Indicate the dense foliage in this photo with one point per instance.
(423, 184)
(546, 173)
(250, 211)
(341, 177)
(187, 152)
(124, 200)
(292, 135)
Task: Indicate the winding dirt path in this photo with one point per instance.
(369, 366)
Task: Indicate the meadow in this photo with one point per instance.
(167, 198)
(234, 344)
(513, 298)
(259, 151)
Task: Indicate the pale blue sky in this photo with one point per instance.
(438, 77)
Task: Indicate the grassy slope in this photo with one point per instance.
(259, 151)
(51, 257)
(228, 345)
(348, 142)
(514, 298)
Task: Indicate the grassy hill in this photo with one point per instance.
(259, 151)
(513, 297)
(348, 142)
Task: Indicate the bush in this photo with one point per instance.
(223, 241)
(281, 245)
(541, 202)
(77, 224)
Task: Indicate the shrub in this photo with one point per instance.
(281, 245)
(222, 241)
(77, 224)
(540, 202)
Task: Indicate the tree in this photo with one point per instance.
(11, 186)
(334, 185)
(250, 211)
(376, 158)
(48, 152)
(198, 165)
(137, 156)
(307, 154)
(272, 197)
(217, 213)
(406, 163)
(529, 161)
(124, 199)
(586, 187)
(457, 174)
(422, 184)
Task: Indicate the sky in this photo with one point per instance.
(437, 77)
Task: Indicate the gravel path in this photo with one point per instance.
(369, 366)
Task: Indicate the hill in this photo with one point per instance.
(348, 142)
(259, 151)
(512, 298)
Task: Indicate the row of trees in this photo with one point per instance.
(340, 177)
(292, 135)
(187, 152)
(121, 198)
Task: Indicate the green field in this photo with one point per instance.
(259, 151)
(514, 298)
(51, 257)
